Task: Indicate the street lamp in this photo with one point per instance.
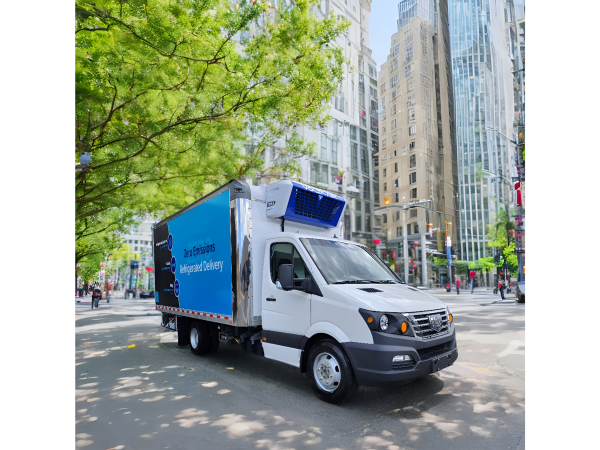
(84, 162)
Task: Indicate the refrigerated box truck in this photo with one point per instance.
(265, 267)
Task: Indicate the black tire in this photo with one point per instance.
(214, 338)
(521, 299)
(199, 329)
(495, 290)
(347, 386)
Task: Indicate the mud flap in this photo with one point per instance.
(183, 330)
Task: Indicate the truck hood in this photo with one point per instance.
(392, 298)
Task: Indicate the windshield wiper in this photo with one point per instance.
(353, 282)
(364, 282)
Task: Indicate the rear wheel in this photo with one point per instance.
(330, 372)
(521, 299)
(199, 337)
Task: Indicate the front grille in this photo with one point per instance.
(427, 353)
(371, 290)
(403, 365)
(315, 206)
(422, 326)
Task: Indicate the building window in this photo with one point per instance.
(354, 155)
(395, 167)
(352, 132)
(397, 182)
(364, 158)
(384, 186)
(397, 216)
(410, 86)
(396, 50)
(384, 218)
(324, 147)
(363, 136)
(411, 115)
(413, 212)
(413, 193)
(393, 139)
(397, 197)
(367, 194)
(394, 80)
(416, 227)
(398, 231)
(412, 178)
(407, 70)
(374, 124)
(413, 160)
(412, 145)
(393, 124)
(368, 223)
(408, 229)
(373, 93)
(135, 249)
(403, 151)
(412, 130)
(372, 71)
(384, 173)
(383, 144)
(136, 243)
(393, 110)
(333, 147)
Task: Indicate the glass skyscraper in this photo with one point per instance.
(483, 104)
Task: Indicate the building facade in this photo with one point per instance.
(139, 242)
(484, 108)
(344, 162)
(417, 150)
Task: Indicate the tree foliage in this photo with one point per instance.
(166, 98)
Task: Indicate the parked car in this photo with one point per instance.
(149, 294)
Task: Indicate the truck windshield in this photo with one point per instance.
(343, 263)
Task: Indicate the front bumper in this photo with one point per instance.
(372, 363)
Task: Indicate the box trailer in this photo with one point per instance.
(265, 267)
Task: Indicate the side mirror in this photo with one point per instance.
(286, 277)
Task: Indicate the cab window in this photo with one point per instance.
(286, 253)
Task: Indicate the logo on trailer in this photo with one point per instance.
(170, 242)
(436, 322)
(176, 288)
(173, 264)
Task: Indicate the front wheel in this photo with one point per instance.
(330, 372)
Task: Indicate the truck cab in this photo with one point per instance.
(304, 297)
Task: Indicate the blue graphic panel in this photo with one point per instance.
(201, 257)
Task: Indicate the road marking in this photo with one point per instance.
(512, 349)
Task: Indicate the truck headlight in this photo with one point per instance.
(383, 322)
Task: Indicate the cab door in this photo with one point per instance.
(285, 314)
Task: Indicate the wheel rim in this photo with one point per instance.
(327, 372)
(194, 338)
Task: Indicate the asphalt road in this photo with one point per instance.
(136, 389)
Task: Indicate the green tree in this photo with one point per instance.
(498, 237)
(165, 98)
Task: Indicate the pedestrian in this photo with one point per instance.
(457, 286)
(501, 287)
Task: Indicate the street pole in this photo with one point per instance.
(405, 245)
(424, 261)
(449, 253)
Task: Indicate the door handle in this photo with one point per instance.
(271, 299)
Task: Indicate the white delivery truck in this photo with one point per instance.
(265, 267)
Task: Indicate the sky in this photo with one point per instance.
(382, 24)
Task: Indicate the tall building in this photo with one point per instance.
(417, 156)
(484, 108)
(345, 146)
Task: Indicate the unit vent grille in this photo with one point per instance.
(315, 206)
(372, 290)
